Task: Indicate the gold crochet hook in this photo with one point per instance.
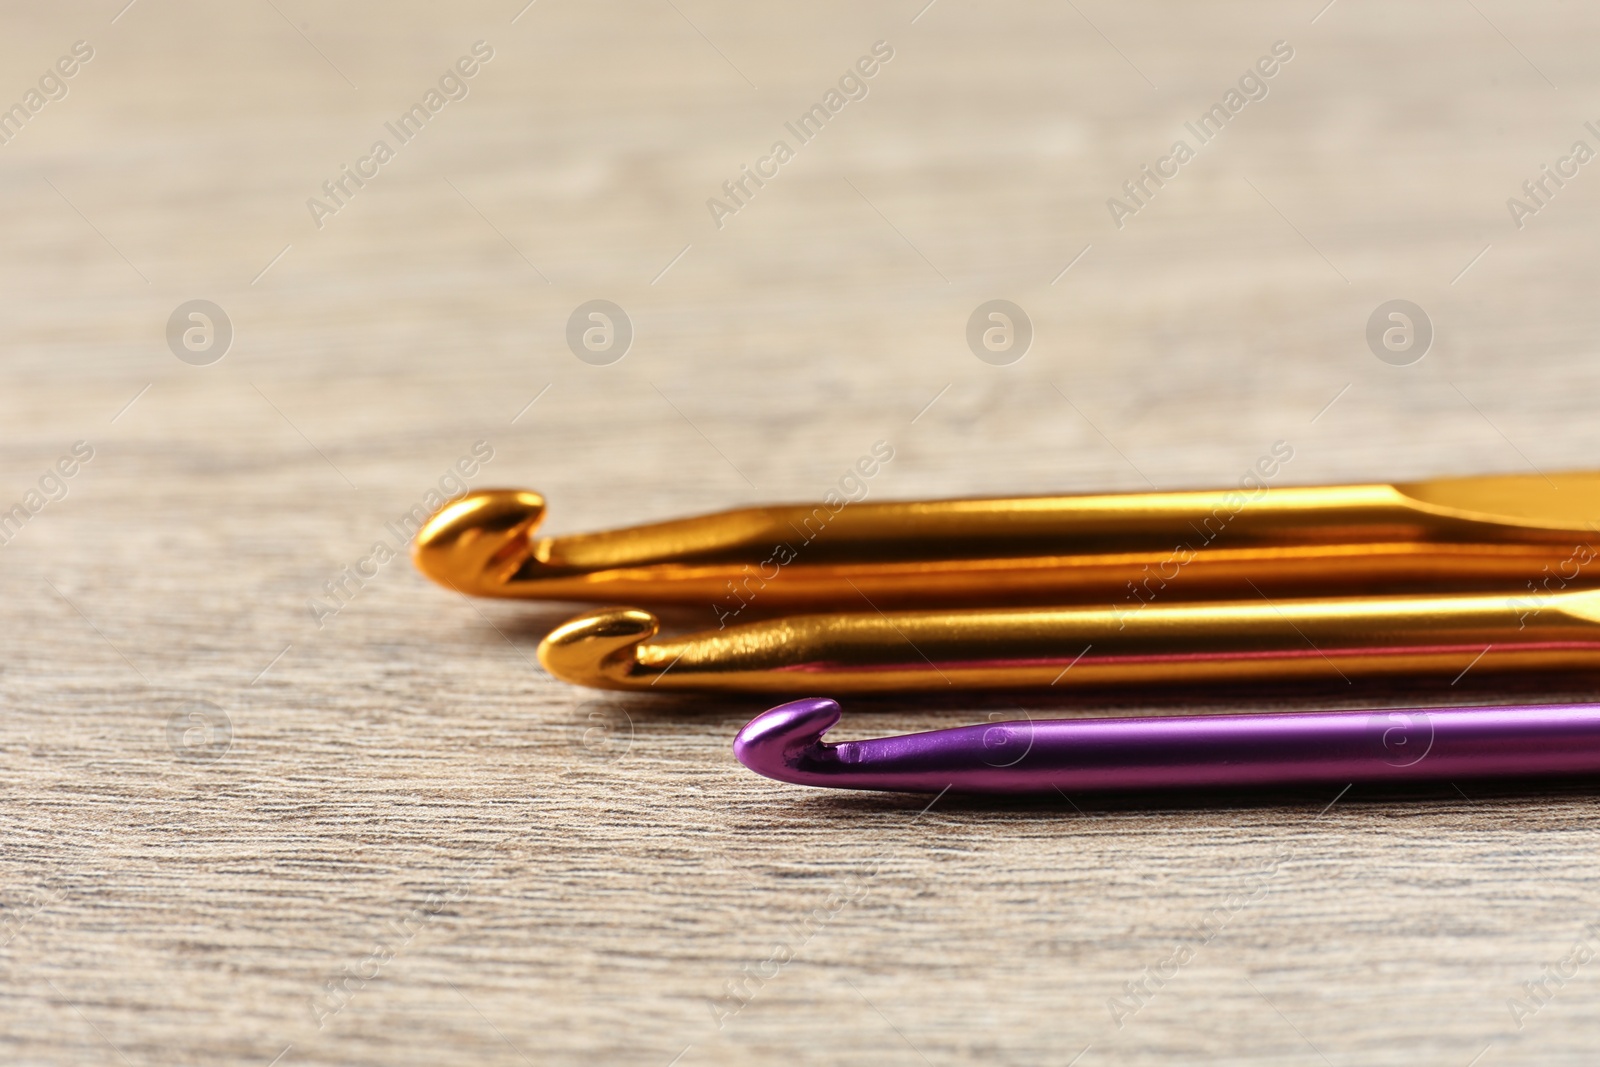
(1071, 648)
(1446, 534)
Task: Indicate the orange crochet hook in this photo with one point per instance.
(1526, 533)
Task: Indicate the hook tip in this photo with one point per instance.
(474, 544)
(774, 742)
(599, 648)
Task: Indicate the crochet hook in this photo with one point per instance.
(1333, 639)
(1091, 755)
(1449, 534)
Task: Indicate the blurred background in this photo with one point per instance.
(250, 817)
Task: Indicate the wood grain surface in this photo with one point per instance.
(243, 829)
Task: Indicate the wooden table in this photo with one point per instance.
(240, 825)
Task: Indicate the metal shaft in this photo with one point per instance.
(1088, 755)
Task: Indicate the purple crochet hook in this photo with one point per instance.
(1086, 755)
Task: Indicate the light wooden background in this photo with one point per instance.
(519, 872)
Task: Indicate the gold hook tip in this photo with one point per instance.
(598, 649)
(475, 544)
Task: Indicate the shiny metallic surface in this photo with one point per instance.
(1090, 755)
(1328, 639)
(1461, 534)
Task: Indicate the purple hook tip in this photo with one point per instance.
(1086, 755)
(786, 742)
